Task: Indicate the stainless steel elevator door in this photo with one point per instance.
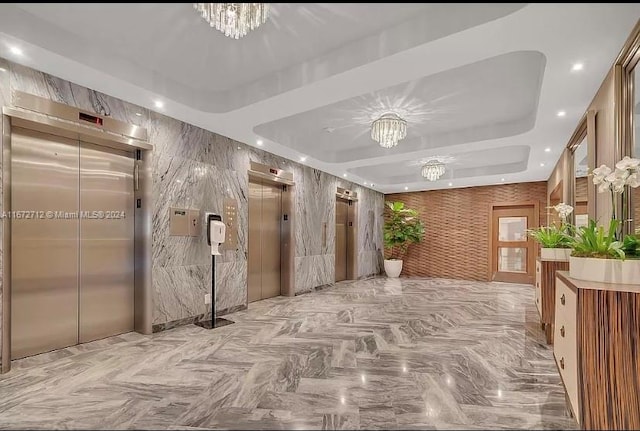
(44, 247)
(106, 242)
(342, 221)
(265, 212)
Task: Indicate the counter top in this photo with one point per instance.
(593, 285)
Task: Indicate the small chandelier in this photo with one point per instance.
(433, 170)
(388, 130)
(234, 19)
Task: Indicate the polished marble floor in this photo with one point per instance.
(407, 354)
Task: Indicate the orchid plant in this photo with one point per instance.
(626, 174)
(554, 236)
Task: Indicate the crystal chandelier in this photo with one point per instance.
(388, 130)
(433, 170)
(234, 19)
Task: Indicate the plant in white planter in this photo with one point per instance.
(607, 256)
(401, 228)
(598, 256)
(556, 241)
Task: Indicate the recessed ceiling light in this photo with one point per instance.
(372, 184)
(159, 104)
(577, 67)
(138, 114)
(303, 158)
(344, 175)
(547, 150)
(15, 50)
(502, 179)
(450, 184)
(259, 142)
(406, 188)
(365, 183)
(541, 165)
(561, 113)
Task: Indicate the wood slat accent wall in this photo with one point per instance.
(548, 288)
(456, 243)
(609, 358)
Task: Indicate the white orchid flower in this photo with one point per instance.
(603, 186)
(563, 209)
(617, 180)
(628, 163)
(633, 180)
(599, 174)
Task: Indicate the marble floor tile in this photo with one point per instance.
(411, 353)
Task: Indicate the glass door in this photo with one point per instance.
(513, 252)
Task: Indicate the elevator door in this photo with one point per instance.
(44, 249)
(265, 211)
(106, 242)
(342, 221)
(72, 242)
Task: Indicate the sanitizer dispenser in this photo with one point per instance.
(215, 233)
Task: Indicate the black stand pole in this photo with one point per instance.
(215, 322)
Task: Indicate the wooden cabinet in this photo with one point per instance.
(596, 347)
(546, 292)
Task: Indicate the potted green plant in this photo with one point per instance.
(607, 256)
(402, 227)
(598, 256)
(556, 241)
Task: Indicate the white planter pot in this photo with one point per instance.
(605, 270)
(393, 267)
(557, 254)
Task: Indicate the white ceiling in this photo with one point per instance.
(480, 84)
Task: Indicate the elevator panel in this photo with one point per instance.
(106, 242)
(342, 220)
(265, 214)
(44, 264)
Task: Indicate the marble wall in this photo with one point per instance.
(195, 168)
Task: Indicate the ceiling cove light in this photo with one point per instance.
(158, 104)
(15, 50)
(433, 170)
(234, 19)
(388, 130)
(259, 142)
(303, 158)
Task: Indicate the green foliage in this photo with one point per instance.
(402, 227)
(593, 241)
(631, 246)
(553, 237)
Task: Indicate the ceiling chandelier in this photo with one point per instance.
(433, 170)
(234, 19)
(388, 130)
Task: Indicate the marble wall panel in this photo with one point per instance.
(50, 87)
(194, 168)
(314, 271)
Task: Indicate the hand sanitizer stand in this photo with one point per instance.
(215, 237)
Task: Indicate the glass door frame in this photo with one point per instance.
(494, 244)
